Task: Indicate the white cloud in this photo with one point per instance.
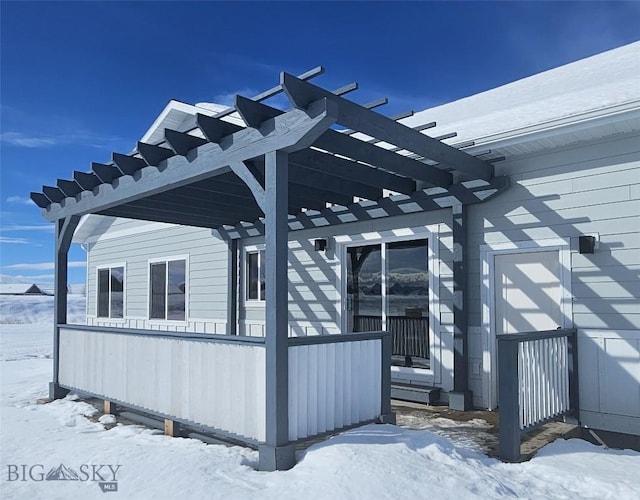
(13, 241)
(33, 227)
(21, 200)
(43, 266)
(86, 138)
(229, 98)
(26, 141)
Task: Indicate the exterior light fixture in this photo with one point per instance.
(320, 245)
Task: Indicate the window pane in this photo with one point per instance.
(177, 290)
(117, 292)
(103, 293)
(158, 280)
(364, 288)
(252, 275)
(262, 275)
(408, 300)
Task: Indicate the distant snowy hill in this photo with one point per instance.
(38, 309)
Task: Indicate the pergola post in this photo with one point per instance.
(461, 397)
(276, 453)
(232, 287)
(64, 232)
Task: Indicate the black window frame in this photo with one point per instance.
(100, 307)
(165, 293)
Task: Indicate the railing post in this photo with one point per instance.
(386, 415)
(572, 362)
(508, 387)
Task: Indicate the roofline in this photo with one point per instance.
(567, 124)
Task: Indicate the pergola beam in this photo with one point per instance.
(292, 131)
(344, 145)
(351, 115)
(340, 143)
(351, 170)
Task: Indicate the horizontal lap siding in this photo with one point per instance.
(314, 294)
(207, 256)
(586, 189)
(218, 385)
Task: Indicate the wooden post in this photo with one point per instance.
(171, 428)
(276, 453)
(461, 397)
(109, 407)
(508, 387)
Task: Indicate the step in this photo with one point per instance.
(415, 393)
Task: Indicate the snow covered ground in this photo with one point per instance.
(372, 462)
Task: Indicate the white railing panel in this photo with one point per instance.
(219, 385)
(333, 385)
(543, 374)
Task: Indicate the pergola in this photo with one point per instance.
(283, 171)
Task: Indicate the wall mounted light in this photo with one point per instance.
(320, 245)
(587, 244)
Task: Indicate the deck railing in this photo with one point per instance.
(410, 336)
(538, 381)
(217, 383)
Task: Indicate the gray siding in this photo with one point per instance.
(207, 267)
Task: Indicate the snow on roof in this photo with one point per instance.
(596, 83)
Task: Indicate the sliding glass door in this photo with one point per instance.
(388, 289)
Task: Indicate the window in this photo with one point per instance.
(254, 275)
(168, 290)
(111, 292)
(388, 289)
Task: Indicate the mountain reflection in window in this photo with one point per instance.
(388, 289)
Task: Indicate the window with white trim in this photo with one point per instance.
(168, 290)
(254, 275)
(110, 296)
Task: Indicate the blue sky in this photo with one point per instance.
(83, 79)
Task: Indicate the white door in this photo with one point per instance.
(527, 292)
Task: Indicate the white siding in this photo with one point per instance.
(215, 384)
(332, 386)
(609, 378)
(586, 189)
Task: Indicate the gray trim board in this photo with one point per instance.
(198, 337)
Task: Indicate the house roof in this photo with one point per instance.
(23, 289)
(602, 85)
